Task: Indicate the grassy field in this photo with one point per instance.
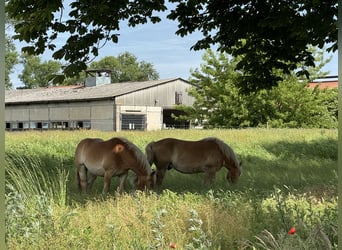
(289, 179)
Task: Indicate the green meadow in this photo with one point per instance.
(289, 180)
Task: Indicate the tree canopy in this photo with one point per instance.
(125, 67)
(11, 59)
(218, 102)
(271, 35)
(36, 73)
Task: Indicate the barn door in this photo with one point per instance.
(133, 122)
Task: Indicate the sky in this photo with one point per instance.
(158, 44)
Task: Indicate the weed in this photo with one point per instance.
(157, 230)
(199, 238)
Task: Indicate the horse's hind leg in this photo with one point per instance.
(123, 178)
(82, 177)
(107, 178)
(90, 181)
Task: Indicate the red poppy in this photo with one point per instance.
(292, 230)
(172, 245)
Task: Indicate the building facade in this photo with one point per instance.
(109, 107)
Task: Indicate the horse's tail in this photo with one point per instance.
(149, 153)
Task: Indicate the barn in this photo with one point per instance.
(98, 104)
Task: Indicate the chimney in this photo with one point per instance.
(97, 77)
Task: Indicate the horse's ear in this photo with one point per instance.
(118, 148)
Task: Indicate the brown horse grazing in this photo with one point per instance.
(95, 157)
(207, 155)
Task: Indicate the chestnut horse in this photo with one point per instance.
(207, 155)
(114, 157)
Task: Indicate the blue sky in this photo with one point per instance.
(157, 44)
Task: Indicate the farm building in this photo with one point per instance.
(328, 82)
(97, 104)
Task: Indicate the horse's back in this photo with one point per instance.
(87, 146)
(186, 154)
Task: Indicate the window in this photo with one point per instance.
(178, 98)
(45, 125)
(83, 124)
(33, 125)
(14, 125)
(87, 125)
(26, 125)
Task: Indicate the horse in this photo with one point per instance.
(114, 157)
(207, 155)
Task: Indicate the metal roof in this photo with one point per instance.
(79, 92)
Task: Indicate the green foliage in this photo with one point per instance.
(316, 225)
(289, 179)
(199, 238)
(157, 230)
(271, 34)
(28, 220)
(11, 58)
(43, 23)
(219, 103)
(295, 105)
(126, 68)
(38, 74)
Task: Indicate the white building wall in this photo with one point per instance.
(154, 116)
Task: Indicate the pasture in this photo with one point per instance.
(289, 180)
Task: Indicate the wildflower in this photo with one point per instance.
(173, 245)
(292, 230)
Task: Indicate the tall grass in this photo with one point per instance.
(31, 194)
(30, 178)
(289, 180)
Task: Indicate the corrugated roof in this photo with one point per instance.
(78, 93)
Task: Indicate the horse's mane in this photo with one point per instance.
(225, 149)
(137, 153)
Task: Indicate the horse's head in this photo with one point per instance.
(145, 182)
(234, 173)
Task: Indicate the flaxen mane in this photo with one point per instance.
(225, 149)
(137, 153)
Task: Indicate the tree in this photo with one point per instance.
(11, 55)
(270, 35)
(217, 99)
(37, 74)
(295, 106)
(11, 59)
(125, 67)
(89, 22)
(218, 102)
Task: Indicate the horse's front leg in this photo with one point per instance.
(107, 178)
(123, 178)
(160, 174)
(210, 175)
